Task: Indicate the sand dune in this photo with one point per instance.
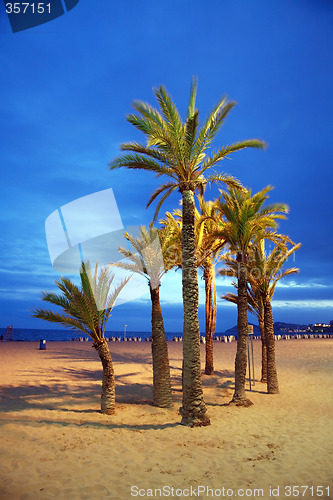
(56, 445)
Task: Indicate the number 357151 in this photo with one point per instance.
(27, 7)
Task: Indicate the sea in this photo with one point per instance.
(64, 335)
(36, 335)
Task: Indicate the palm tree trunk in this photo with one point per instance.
(272, 379)
(193, 408)
(162, 395)
(263, 349)
(108, 383)
(210, 291)
(239, 397)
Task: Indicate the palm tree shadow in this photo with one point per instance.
(44, 397)
(133, 393)
(58, 398)
(137, 358)
(74, 354)
(82, 398)
(225, 373)
(218, 405)
(257, 391)
(224, 379)
(91, 355)
(98, 425)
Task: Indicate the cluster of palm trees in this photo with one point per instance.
(231, 229)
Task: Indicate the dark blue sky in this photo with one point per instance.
(66, 87)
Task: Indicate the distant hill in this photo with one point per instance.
(279, 325)
(233, 330)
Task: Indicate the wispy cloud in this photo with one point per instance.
(303, 304)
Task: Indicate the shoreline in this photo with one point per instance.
(178, 338)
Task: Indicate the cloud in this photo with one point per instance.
(304, 304)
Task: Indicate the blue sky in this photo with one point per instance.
(66, 88)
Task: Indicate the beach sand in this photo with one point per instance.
(54, 443)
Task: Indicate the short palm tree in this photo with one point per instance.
(88, 309)
(178, 150)
(265, 271)
(255, 306)
(208, 251)
(245, 222)
(149, 259)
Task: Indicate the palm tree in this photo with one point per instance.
(88, 309)
(207, 250)
(245, 222)
(266, 273)
(150, 260)
(178, 151)
(254, 305)
(263, 272)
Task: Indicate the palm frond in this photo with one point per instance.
(150, 113)
(62, 319)
(83, 308)
(155, 153)
(216, 156)
(227, 179)
(169, 188)
(136, 161)
(193, 96)
(212, 124)
(191, 127)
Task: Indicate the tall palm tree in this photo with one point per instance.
(178, 150)
(207, 250)
(88, 309)
(149, 259)
(245, 222)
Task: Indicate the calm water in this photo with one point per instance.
(64, 334)
(28, 334)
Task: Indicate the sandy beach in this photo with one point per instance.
(55, 444)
